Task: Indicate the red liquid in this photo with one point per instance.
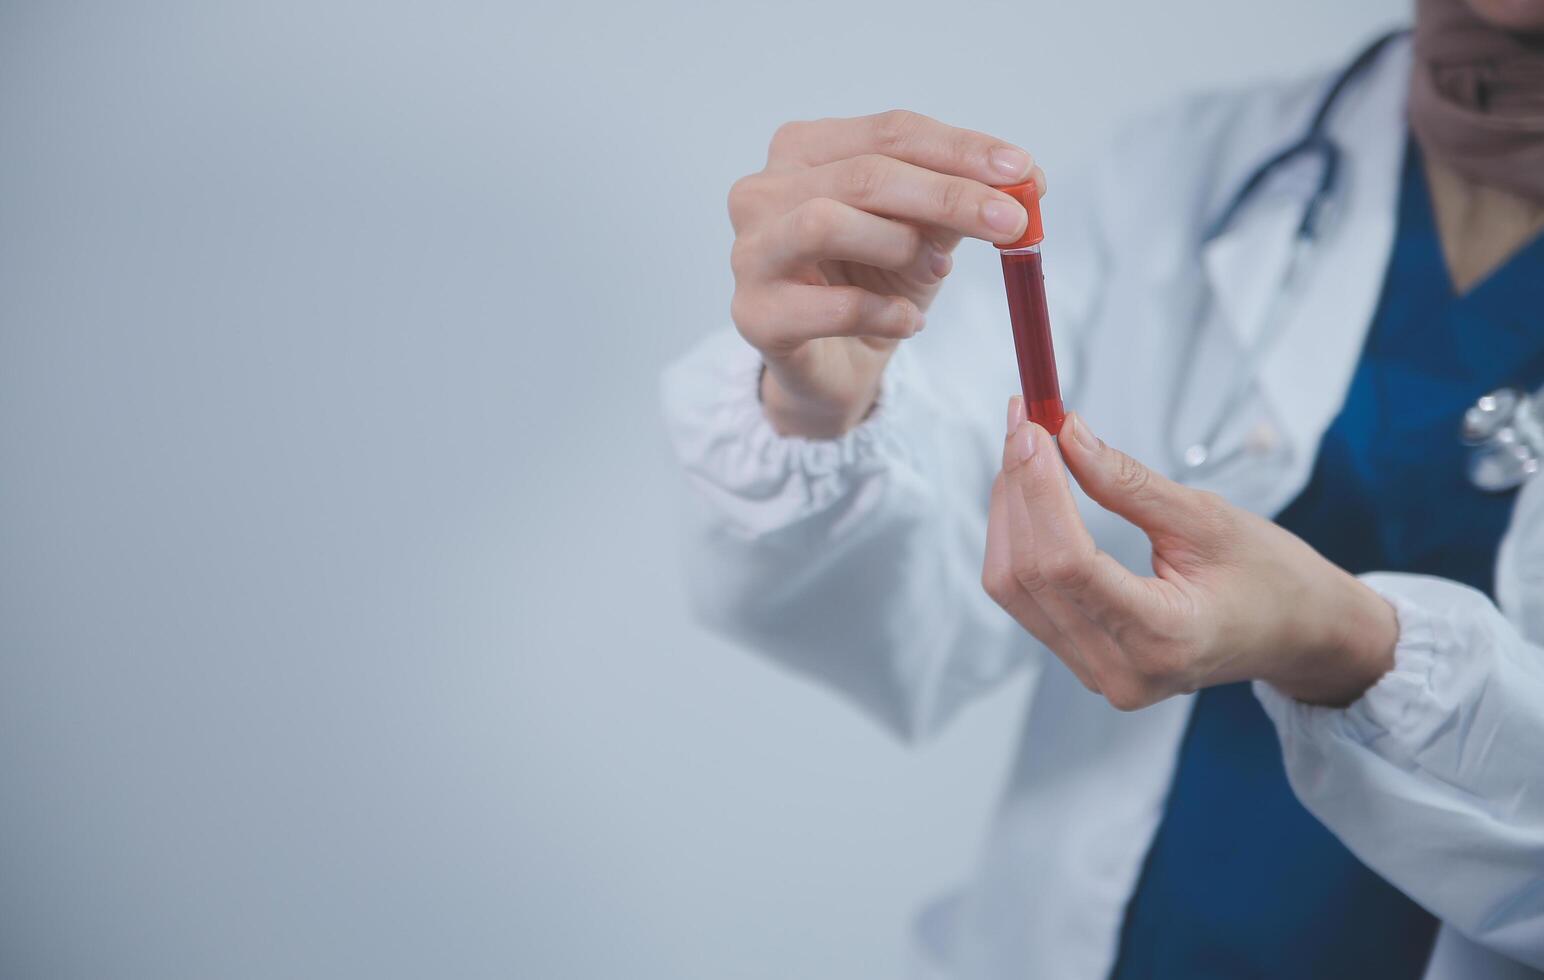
(1032, 339)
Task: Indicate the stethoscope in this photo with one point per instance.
(1505, 428)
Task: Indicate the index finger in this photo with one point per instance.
(908, 136)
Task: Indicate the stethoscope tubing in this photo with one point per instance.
(1509, 454)
(1200, 458)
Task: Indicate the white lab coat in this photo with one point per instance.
(857, 561)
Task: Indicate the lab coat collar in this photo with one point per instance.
(1313, 351)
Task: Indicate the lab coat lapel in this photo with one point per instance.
(1244, 266)
(1309, 361)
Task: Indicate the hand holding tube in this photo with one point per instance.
(1233, 596)
(842, 241)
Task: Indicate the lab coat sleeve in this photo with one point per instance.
(854, 561)
(1435, 777)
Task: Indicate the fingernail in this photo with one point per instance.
(1015, 412)
(1081, 433)
(1003, 217)
(1024, 442)
(940, 262)
(1010, 161)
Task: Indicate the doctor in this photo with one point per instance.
(1287, 707)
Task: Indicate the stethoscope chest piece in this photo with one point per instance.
(1506, 429)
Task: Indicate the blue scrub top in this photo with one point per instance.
(1241, 881)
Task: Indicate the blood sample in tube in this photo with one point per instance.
(1024, 279)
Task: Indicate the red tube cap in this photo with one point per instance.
(1026, 195)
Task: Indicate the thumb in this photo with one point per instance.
(1121, 484)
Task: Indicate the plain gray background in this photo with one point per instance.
(340, 627)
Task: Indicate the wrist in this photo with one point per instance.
(1351, 650)
(810, 418)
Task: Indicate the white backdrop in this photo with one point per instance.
(340, 630)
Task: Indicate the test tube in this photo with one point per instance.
(1025, 281)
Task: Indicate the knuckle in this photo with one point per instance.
(1093, 677)
(1127, 694)
(745, 311)
(1028, 576)
(965, 148)
(816, 220)
(741, 256)
(742, 198)
(1067, 571)
(950, 196)
(1131, 476)
(757, 317)
(785, 137)
(844, 310)
(865, 176)
(999, 583)
(894, 128)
